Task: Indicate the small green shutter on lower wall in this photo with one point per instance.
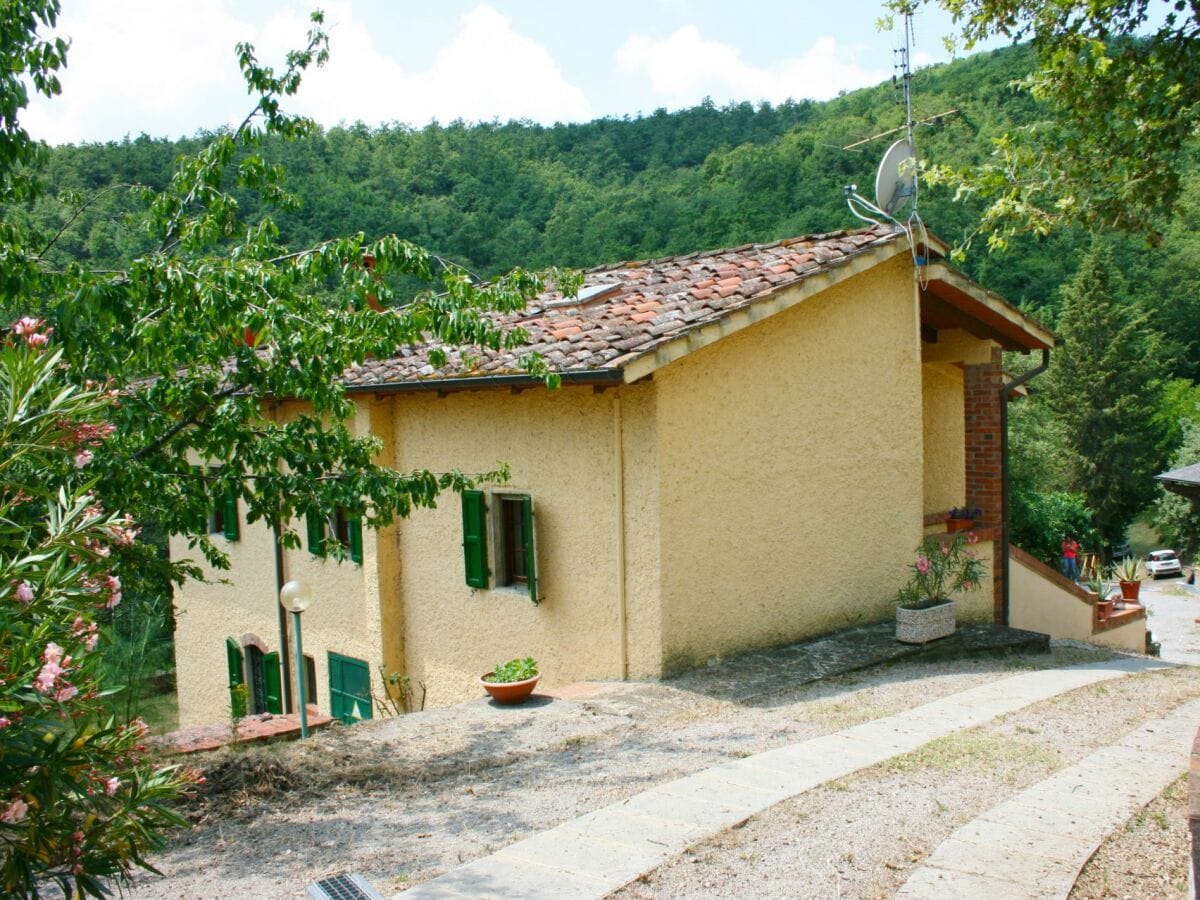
(233, 659)
(272, 683)
(474, 515)
(349, 688)
(530, 547)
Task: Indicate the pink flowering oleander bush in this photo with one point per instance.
(81, 802)
(946, 564)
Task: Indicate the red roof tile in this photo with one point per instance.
(656, 301)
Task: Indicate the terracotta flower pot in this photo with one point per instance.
(1130, 589)
(509, 693)
(1104, 609)
(953, 525)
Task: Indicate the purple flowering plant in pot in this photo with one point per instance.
(945, 565)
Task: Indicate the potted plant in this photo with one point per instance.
(1127, 574)
(962, 518)
(945, 565)
(513, 681)
(1094, 585)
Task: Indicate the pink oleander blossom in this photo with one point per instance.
(5, 721)
(112, 785)
(83, 457)
(14, 812)
(24, 592)
(923, 565)
(65, 693)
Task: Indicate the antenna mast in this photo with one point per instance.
(896, 181)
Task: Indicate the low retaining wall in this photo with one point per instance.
(1040, 599)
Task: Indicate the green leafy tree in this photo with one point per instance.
(1177, 518)
(1120, 83)
(216, 317)
(1105, 387)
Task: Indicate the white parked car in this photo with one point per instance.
(1163, 562)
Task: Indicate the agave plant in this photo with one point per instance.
(1128, 569)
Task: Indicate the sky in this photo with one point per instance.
(167, 68)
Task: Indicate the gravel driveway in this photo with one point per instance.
(406, 799)
(1171, 610)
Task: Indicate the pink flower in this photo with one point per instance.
(24, 592)
(53, 653)
(968, 585)
(111, 786)
(14, 812)
(30, 329)
(65, 693)
(44, 683)
(972, 537)
(4, 722)
(83, 457)
(923, 565)
(93, 636)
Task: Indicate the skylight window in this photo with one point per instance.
(587, 294)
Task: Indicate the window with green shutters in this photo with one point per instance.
(223, 516)
(233, 659)
(514, 563)
(349, 688)
(343, 528)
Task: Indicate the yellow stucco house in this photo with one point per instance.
(746, 448)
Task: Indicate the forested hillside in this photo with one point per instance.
(496, 195)
(492, 196)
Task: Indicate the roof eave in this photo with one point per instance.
(1006, 324)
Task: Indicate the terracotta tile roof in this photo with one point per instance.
(648, 303)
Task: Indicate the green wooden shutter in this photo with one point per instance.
(354, 527)
(233, 659)
(530, 550)
(349, 688)
(474, 514)
(230, 514)
(316, 534)
(273, 683)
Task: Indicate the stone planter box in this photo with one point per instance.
(920, 626)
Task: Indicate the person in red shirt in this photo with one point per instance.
(1070, 557)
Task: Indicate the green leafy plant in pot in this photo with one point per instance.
(1128, 573)
(945, 565)
(1095, 585)
(512, 681)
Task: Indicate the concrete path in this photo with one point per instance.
(606, 849)
(1035, 844)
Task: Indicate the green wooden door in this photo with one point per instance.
(349, 688)
(272, 683)
(233, 659)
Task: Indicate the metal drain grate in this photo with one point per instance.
(347, 886)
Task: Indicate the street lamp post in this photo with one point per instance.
(296, 597)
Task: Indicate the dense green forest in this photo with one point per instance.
(494, 195)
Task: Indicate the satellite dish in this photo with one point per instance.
(896, 181)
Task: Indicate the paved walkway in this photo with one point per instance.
(1036, 844)
(606, 849)
(251, 729)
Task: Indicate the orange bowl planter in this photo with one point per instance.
(509, 693)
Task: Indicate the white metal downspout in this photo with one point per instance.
(619, 470)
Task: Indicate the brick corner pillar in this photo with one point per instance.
(984, 447)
